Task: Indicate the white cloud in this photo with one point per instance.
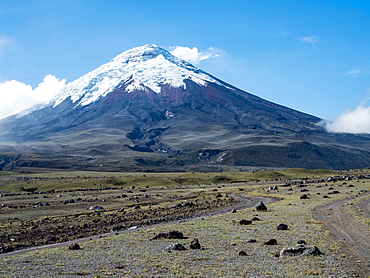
(193, 55)
(356, 121)
(309, 39)
(16, 96)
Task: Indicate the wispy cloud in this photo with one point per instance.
(276, 33)
(309, 39)
(16, 96)
(354, 72)
(193, 55)
(359, 71)
(4, 42)
(356, 121)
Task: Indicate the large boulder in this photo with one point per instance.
(261, 206)
(245, 222)
(169, 235)
(300, 250)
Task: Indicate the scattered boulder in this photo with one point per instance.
(242, 253)
(252, 240)
(270, 242)
(255, 218)
(6, 249)
(52, 238)
(273, 187)
(195, 244)
(96, 208)
(170, 235)
(188, 204)
(260, 206)
(245, 222)
(301, 241)
(282, 227)
(300, 250)
(178, 205)
(303, 197)
(175, 247)
(74, 246)
(233, 211)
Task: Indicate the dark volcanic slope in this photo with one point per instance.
(195, 124)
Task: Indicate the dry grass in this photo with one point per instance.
(133, 254)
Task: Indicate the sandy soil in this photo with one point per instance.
(352, 236)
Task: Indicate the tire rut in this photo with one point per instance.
(352, 236)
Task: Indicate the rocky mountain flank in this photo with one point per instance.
(148, 110)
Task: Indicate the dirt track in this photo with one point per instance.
(353, 237)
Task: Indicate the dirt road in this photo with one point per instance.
(352, 236)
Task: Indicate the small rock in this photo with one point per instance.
(252, 240)
(270, 242)
(303, 197)
(301, 241)
(282, 227)
(233, 211)
(178, 205)
(175, 247)
(255, 218)
(189, 204)
(96, 208)
(242, 253)
(74, 246)
(245, 222)
(195, 244)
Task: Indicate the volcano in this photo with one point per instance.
(147, 110)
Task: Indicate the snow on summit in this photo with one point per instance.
(148, 66)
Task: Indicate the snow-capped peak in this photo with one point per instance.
(147, 67)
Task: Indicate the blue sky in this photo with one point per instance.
(312, 56)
